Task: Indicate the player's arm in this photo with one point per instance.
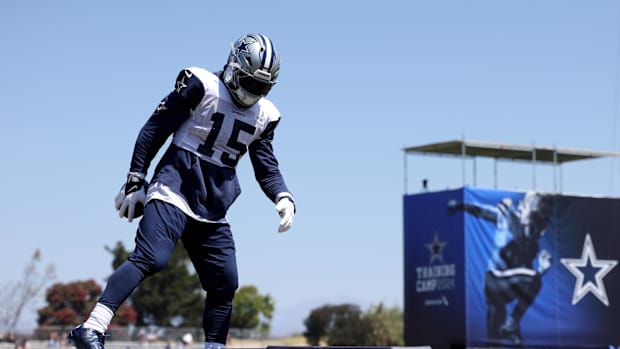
(544, 261)
(269, 177)
(473, 209)
(171, 112)
(481, 212)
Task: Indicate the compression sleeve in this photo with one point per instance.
(171, 112)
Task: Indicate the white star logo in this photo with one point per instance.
(180, 85)
(436, 248)
(161, 106)
(604, 266)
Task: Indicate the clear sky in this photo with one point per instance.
(359, 81)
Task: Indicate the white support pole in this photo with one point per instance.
(405, 171)
(555, 167)
(475, 172)
(561, 180)
(533, 167)
(463, 155)
(495, 173)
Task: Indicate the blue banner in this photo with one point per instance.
(529, 269)
(434, 270)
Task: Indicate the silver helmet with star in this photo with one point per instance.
(252, 68)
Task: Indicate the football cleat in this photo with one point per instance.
(86, 338)
(512, 331)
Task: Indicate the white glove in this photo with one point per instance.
(544, 261)
(130, 200)
(286, 210)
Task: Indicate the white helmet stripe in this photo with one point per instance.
(267, 59)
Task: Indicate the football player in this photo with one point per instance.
(214, 118)
(511, 274)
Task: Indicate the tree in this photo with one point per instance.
(337, 325)
(349, 327)
(172, 296)
(317, 325)
(69, 304)
(387, 325)
(14, 297)
(251, 310)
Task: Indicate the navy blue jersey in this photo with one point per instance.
(211, 134)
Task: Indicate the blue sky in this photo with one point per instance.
(358, 83)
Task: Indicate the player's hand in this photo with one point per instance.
(544, 261)
(452, 206)
(129, 202)
(286, 210)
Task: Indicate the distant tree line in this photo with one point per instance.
(171, 298)
(347, 325)
(174, 297)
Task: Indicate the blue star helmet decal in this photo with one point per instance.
(242, 47)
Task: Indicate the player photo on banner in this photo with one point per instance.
(539, 269)
(509, 256)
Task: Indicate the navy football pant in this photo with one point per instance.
(210, 247)
(499, 291)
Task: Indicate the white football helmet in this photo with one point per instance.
(252, 68)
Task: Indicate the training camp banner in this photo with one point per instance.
(494, 267)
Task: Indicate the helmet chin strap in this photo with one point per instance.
(242, 96)
(229, 79)
(246, 98)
